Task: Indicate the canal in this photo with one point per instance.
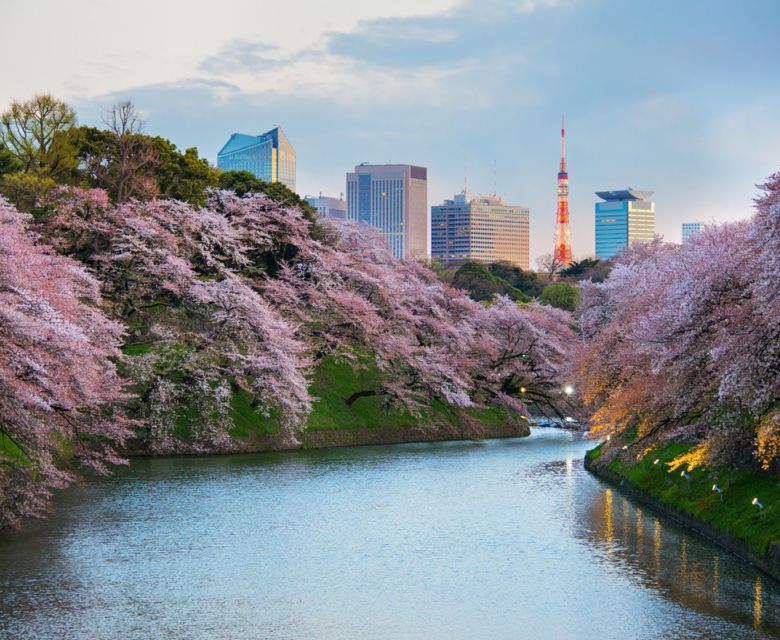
(501, 539)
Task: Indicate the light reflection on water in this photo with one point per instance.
(498, 539)
(681, 567)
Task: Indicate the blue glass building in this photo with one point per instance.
(269, 156)
(394, 199)
(624, 217)
(690, 229)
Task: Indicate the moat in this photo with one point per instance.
(495, 539)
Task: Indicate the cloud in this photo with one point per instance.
(153, 44)
(239, 55)
(436, 60)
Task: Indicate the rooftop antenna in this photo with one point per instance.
(465, 178)
(495, 190)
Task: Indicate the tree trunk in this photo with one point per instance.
(360, 394)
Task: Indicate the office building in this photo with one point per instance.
(481, 228)
(690, 228)
(394, 199)
(624, 217)
(269, 156)
(328, 207)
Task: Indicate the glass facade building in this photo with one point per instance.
(481, 228)
(690, 228)
(624, 217)
(328, 207)
(269, 156)
(394, 199)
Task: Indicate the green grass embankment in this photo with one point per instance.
(333, 421)
(734, 514)
(336, 380)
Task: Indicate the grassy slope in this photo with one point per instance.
(10, 452)
(734, 515)
(333, 382)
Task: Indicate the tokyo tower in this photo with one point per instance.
(562, 251)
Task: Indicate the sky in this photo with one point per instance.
(679, 97)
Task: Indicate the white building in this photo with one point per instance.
(481, 228)
(329, 207)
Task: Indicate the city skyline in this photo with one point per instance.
(447, 84)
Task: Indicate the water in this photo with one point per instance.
(504, 539)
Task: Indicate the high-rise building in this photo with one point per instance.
(482, 228)
(624, 217)
(394, 199)
(690, 228)
(328, 207)
(269, 156)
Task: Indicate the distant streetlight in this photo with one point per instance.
(522, 389)
(568, 389)
(757, 503)
(609, 438)
(656, 461)
(715, 487)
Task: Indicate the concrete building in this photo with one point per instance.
(328, 207)
(690, 228)
(394, 199)
(481, 228)
(269, 156)
(624, 217)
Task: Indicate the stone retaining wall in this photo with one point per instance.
(769, 564)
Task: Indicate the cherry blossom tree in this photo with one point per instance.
(181, 278)
(249, 294)
(682, 341)
(59, 388)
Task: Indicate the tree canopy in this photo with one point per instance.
(682, 341)
(481, 284)
(35, 134)
(561, 295)
(244, 182)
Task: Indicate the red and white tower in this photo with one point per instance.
(562, 251)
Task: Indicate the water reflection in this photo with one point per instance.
(678, 565)
(507, 540)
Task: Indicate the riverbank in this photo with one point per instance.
(728, 517)
(336, 422)
(332, 438)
